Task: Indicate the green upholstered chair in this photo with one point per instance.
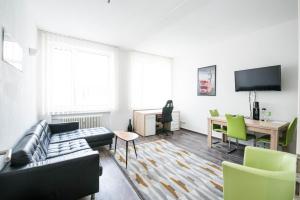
(236, 128)
(214, 113)
(265, 175)
(216, 127)
(286, 139)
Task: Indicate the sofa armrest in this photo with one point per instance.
(66, 177)
(242, 182)
(64, 127)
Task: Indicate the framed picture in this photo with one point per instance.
(206, 85)
(12, 52)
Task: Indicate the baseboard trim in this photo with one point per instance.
(185, 129)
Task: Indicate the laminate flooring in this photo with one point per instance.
(114, 184)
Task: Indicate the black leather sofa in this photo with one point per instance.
(54, 161)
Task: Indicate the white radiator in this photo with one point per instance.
(85, 121)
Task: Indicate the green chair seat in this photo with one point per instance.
(219, 130)
(266, 139)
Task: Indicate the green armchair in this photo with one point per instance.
(265, 175)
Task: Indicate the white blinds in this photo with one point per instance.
(150, 80)
(78, 75)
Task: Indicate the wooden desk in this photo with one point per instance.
(144, 121)
(273, 128)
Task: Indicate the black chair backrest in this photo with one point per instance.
(167, 111)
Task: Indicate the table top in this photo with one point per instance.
(154, 111)
(127, 136)
(274, 125)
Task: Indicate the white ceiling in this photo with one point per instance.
(160, 26)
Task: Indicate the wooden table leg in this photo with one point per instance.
(209, 133)
(134, 148)
(116, 139)
(274, 140)
(224, 137)
(126, 152)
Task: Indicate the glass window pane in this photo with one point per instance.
(60, 80)
(91, 80)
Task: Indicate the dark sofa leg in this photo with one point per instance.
(92, 196)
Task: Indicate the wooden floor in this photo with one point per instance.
(113, 183)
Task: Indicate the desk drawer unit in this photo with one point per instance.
(175, 124)
(150, 125)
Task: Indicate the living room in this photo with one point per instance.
(135, 99)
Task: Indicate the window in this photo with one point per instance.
(150, 80)
(78, 75)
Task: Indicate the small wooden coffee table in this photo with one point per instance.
(127, 137)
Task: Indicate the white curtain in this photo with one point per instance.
(150, 80)
(77, 75)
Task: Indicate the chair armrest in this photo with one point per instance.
(64, 127)
(65, 177)
(242, 182)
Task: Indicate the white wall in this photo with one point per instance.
(269, 46)
(120, 115)
(298, 127)
(17, 89)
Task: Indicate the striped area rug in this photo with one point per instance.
(163, 171)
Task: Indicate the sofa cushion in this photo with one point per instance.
(44, 140)
(42, 131)
(63, 148)
(27, 150)
(90, 134)
(37, 129)
(43, 123)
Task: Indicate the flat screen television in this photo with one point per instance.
(258, 79)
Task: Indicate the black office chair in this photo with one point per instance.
(165, 118)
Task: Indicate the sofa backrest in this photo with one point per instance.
(32, 146)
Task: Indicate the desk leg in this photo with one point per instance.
(224, 137)
(274, 140)
(209, 132)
